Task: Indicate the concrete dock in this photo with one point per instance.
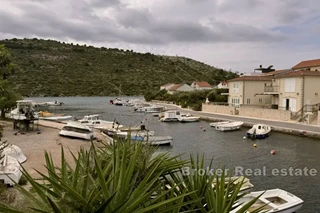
(279, 126)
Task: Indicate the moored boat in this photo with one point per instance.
(214, 124)
(235, 125)
(259, 131)
(76, 129)
(271, 201)
(188, 118)
(153, 140)
(170, 116)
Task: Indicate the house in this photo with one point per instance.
(222, 85)
(201, 85)
(166, 86)
(180, 88)
(294, 90)
(312, 65)
(248, 90)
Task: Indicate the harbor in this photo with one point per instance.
(229, 148)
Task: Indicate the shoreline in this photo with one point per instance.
(302, 130)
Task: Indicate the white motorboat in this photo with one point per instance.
(118, 102)
(141, 133)
(10, 172)
(95, 121)
(259, 131)
(151, 109)
(272, 201)
(235, 125)
(214, 124)
(51, 103)
(115, 130)
(24, 111)
(170, 116)
(76, 129)
(153, 140)
(188, 118)
(13, 151)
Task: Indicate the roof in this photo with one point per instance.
(299, 73)
(175, 87)
(277, 72)
(202, 83)
(307, 63)
(168, 84)
(251, 78)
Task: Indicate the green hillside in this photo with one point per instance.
(52, 68)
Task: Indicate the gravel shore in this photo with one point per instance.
(33, 146)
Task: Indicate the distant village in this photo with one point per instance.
(288, 94)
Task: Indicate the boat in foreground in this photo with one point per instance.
(76, 129)
(259, 131)
(246, 187)
(271, 201)
(235, 125)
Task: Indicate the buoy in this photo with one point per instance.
(244, 137)
(200, 127)
(204, 130)
(255, 145)
(273, 152)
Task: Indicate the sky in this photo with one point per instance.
(237, 35)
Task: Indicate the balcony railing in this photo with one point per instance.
(271, 88)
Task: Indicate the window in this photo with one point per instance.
(260, 100)
(236, 87)
(248, 101)
(290, 85)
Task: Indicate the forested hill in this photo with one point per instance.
(53, 68)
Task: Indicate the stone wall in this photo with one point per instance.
(273, 114)
(221, 109)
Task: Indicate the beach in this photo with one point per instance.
(34, 145)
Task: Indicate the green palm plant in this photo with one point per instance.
(126, 177)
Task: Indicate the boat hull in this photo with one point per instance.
(77, 135)
(259, 136)
(187, 120)
(153, 140)
(229, 128)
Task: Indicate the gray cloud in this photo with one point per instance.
(78, 20)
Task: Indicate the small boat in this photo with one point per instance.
(76, 129)
(272, 201)
(188, 118)
(214, 124)
(235, 125)
(53, 117)
(142, 133)
(153, 140)
(10, 172)
(259, 131)
(118, 102)
(95, 121)
(13, 151)
(113, 131)
(51, 103)
(246, 187)
(151, 109)
(170, 116)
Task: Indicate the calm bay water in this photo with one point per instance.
(228, 148)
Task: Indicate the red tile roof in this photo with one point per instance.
(202, 83)
(175, 87)
(308, 63)
(299, 73)
(166, 84)
(251, 78)
(277, 72)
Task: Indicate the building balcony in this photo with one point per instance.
(271, 89)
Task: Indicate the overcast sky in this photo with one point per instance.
(231, 34)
